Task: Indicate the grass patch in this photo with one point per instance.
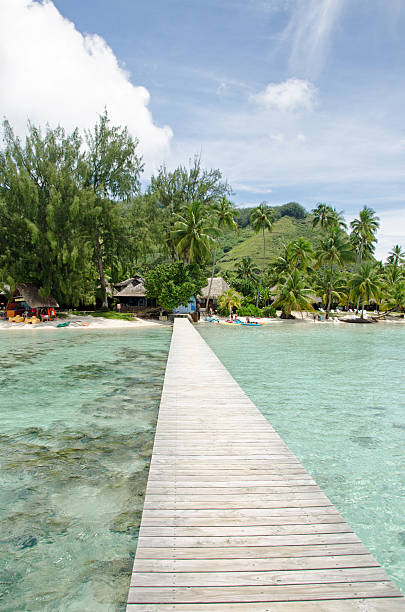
(106, 314)
(110, 314)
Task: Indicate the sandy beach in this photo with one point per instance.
(76, 322)
(99, 323)
(307, 318)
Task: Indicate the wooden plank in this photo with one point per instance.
(352, 605)
(278, 578)
(232, 520)
(246, 530)
(242, 512)
(252, 521)
(393, 604)
(210, 474)
(260, 565)
(257, 490)
(309, 592)
(236, 482)
(225, 497)
(214, 541)
(248, 552)
(240, 503)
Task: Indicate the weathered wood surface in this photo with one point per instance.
(232, 520)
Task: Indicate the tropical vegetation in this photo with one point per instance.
(75, 218)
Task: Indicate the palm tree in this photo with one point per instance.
(294, 295)
(340, 290)
(327, 217)
(394, 296)
(366, 285)
(335, 249)
(230, 299)
(193, 235)
(283, 264)
(301, 254)
(224, 214)
(364, 231)
(246, 269)
(261, 219)
(396, 256)
(393, 287)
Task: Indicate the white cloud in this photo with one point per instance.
(290, 95)
(309, 34)
(50, 72)
(277, 138)
(252, 188)
(301, 137)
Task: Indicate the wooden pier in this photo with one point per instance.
(231, 520)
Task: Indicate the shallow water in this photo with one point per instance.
(336, 394)
(78, 413)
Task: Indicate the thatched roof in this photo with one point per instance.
(219, 286)
(134, 280)
(30, 294)
(132, 287)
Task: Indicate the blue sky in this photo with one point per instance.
(293, 99)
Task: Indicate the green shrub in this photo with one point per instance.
(223, 311)
(269, 311)
(250, 310)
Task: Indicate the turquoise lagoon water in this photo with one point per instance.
(336, 394)
(78, 412)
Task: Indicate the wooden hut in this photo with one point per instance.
(27, 299)
(131, 294)
(219, 286)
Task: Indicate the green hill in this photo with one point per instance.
(248, 244)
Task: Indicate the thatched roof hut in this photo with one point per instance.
(219, 286)
(131, 287)
(29, 293)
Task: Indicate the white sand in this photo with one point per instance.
(93, 323)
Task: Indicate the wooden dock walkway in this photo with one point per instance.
(231, 519)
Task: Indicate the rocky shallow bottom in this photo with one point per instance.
(78, 430)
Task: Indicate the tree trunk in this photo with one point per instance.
(212, 276)
(261, 275)
(362, 310)
(100, 267)
(360, 262)
(329, 292)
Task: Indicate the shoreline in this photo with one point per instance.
(99, 323)
(308, 318)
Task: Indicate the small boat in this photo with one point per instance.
(253, 324)
(239, 322)
(211, 320)
(66, 324)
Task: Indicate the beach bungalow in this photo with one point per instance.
(189, 308)
(26, 299)
(131, 294)
(219, 286)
